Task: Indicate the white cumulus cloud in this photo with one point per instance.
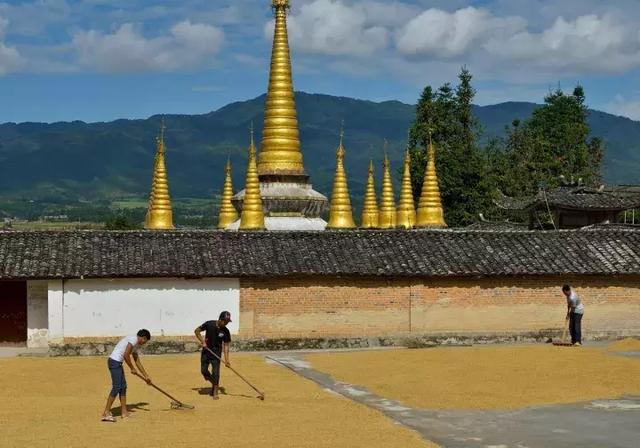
(332, 27)
(445, 34)
(589, 43)
(187, 45)
(10, 58)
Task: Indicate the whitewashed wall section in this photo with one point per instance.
(37, 314)
(116, 307)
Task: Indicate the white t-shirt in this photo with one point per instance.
(574, 301)
(118, 351)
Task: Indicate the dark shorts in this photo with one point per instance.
(118, 381)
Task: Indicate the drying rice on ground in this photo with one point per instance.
(492, 377)
(57, 402)
(625, 345)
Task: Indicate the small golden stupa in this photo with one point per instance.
(406, 214)
(387, 215)
(430, 212)
(159, 213)
(252, 216)
(340, 214)
(370, 208)
(228, 213)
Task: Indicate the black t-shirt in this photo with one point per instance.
(215, 335)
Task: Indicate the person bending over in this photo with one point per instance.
(122, 352)
(217, 339)
(575, 311)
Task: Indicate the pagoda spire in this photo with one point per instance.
(159, 212)
(387, 215)
(406, 215)
(340, 215)
(370, 206)
(430, 212)
(252, 216)
(228, 213)
(280, 152)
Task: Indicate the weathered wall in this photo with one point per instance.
(37, 314)
(93, 310)
(335, 307)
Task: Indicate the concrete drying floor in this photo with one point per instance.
(57, 402)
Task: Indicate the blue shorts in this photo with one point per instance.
(118, 381)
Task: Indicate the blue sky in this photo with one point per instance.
(97, 60)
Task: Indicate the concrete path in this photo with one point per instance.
(597, 424)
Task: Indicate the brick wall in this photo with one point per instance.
(348, 307)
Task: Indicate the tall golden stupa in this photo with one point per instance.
(289, 201)
(159, 212)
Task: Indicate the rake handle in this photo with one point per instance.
(157, 388)
(236, 372)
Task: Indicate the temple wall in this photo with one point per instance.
(104, 310)
(361, 308)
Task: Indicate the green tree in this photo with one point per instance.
(120, 223)
(447, 118)
(553, 142)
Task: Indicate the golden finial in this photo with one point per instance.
(406, 214)
(228, 213)
(159, 213)
(430, 212)
(252, 216)
(370, 207)
(280, 152)
(387, 215)
(340, 215)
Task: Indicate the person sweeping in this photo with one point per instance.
(217, 339)
(124, 350)
(575, 311)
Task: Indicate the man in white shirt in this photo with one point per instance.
(122, 352)
(575, 311)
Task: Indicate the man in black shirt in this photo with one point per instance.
(217, 339)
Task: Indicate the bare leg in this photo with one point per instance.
(123, 406)
(107, 409)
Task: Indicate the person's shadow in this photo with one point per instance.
(132, 407)
(221, 390)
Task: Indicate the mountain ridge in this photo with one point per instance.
(114, 158)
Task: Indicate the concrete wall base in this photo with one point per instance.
(274, 344)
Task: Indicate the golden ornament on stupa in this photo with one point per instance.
(228, 213)
(252, 216)
(340, 214)
(406, 214)
(430, 212)
(370, 207)
(387, 215)
(159, 213)
(280, 152)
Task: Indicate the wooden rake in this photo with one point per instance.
(563, 342)
(175, 403)
(260, 394)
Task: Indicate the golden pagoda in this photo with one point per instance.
(340, 215)
(430, 212)
(387, 215)
(370, 207)
(252, 216)
(228, 213)
(280, 152)
(159, 213)
(288, 199)
(406, 214)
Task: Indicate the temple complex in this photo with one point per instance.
(292, 280)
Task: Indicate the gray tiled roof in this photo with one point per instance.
(102, 254)
(581, 198)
